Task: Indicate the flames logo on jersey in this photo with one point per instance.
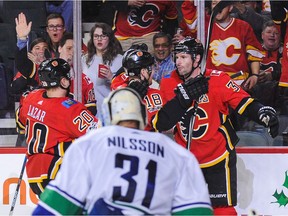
(143, 16)
(202, 125)
(219, 51)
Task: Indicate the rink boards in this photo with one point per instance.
(262, 181)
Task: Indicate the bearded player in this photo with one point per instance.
(213, 138)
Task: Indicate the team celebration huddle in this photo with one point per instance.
(155, 130)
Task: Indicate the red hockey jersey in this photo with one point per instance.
(137, 22)
(232, 47)
(211, 140)
(51, 124)
(153, 99)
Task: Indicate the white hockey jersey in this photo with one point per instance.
(119, 171)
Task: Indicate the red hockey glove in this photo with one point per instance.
(191, 90)
(140, 86)
(267, 115)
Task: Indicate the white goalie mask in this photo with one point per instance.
(123, 104)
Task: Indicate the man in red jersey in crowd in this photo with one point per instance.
(189, 95)
(137, 21)
(51, 121)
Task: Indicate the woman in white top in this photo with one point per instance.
(105, 52)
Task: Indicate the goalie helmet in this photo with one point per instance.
(51, 71)
(190, 46)
(135, 59)
(123, 104)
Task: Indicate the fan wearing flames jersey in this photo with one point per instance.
(213, 138)
(137, 21)
(234, 47)
(266, 89)
(51, 121)
(279, 12)
(137, 64)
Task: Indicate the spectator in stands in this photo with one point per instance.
(104, 53)
(164, 63)
(234, 47)
(270, 68)
(55, 29)
(279, 13)
(65, 8)
(251, 12)
(138, 20)
(27, 64)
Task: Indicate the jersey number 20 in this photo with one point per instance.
(132, 184)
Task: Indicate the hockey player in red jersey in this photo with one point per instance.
(137, 64)
(51, 121)
(120, 169)
(213, 138)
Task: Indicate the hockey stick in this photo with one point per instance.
(18, 187)
(218, 8)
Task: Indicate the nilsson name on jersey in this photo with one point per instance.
(36, 113)
(136, 144)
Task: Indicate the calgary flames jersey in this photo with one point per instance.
(51, 124)
(232, 47)
(137, 22)
(211, 139)
(153, 99)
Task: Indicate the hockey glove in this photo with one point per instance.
(191, 90)
(140, 86)
(267, 115)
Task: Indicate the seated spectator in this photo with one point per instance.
(27, 65)
(102, 61)
(270, 67)
(163, 63)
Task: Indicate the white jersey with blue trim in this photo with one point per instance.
(118, 170)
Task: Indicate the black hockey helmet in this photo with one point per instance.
(190, 46)
(134, 60)
(51, 71)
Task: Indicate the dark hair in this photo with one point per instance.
(113, 49)
(55, 16)
(66, 36)
(37, 41)
(161, 35)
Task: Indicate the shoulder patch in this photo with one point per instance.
(69, 102)
(216, 73)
